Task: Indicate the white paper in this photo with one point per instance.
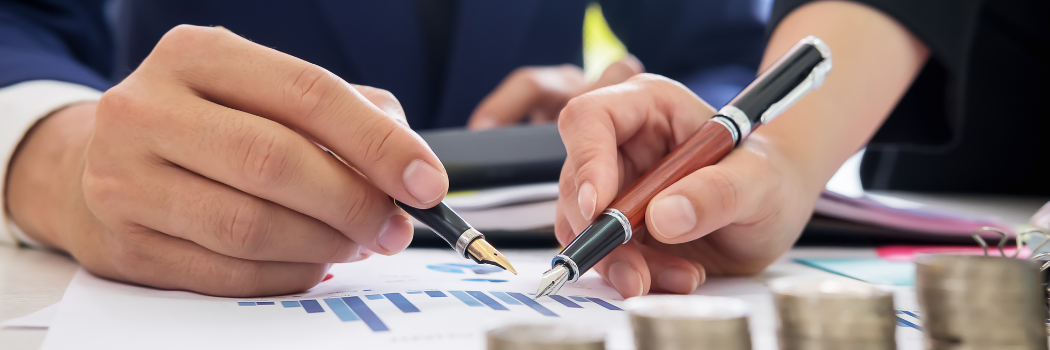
(38, 320)
(99, 314)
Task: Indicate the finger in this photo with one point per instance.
(264, 82)
(619, 71)
(593, 125)
(266, 160)
(147, 257)
(626, 270)
(710, 198)
(525, 90)
(384, 100)
(672, 274)
(234, 223)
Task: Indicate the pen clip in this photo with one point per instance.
(813, 81)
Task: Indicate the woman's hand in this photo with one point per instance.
(734, 217)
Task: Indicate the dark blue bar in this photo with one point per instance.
(311, 306)
(370, 318)
(904, 323)
(533, 304)
(565, 301)
(245, 303)
(264, 303)
(487, 300)
(339, 308)
(292, 303)
(580, 299)
(505, 298)
(374, 297)
(414, 292)
(436, 294)
(465, 298)
(605, 304)
(401, 303)
(909, 313)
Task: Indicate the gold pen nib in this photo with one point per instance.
(484, 253)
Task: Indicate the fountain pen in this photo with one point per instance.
(444, 221)
(796, 73)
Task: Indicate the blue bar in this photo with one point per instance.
(415, 292)
(366, 290)
(264, 303)
(565, 301)
(374, 297)
(580, 299)
(401, 303)
(339, 308)
(292, 303)
(436, 294)
(904, 323)
(465, 298)
(533, 304)
(487, 300)
(245, 303)
(370, 318)
(311, 306)
(605, 304)
(909, 313)
(505, 298)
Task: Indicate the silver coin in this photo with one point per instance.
(833, 311)
(671, 322)
(553, 336)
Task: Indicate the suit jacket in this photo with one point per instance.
(713, 46)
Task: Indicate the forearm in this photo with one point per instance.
(875, 61)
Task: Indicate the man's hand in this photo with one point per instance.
(734, 217)
(539, 93)
(197, 172)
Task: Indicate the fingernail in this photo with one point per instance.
(678, 280)
(424, 182)
(1042, 217)
(588, 200)
(625, 279)
(395, 235)
(673, 216)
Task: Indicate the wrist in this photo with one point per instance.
(43, 179)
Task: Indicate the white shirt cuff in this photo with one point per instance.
(24, 104)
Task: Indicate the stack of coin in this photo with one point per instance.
(833, 314)
(980, 302)
(670, 322)
(554, 336)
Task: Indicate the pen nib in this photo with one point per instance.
(484, 253)
(552, 280)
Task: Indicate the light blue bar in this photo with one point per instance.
(487, 300)
(341, 310)
(580, 299)
(373, 297)
(292, 303)
(465, 298)
(245, 303)
(543, 310)
(436, 294)
(506, 298)
(415, 292)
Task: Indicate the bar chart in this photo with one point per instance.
(357, 308)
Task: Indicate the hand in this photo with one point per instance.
(197, 171)
(539, 93)
(734, 217)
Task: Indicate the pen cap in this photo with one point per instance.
(794, 74)
(551, 336)
(665, 322)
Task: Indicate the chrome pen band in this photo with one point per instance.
(721, 119)
(739, 119)
(574, 271)
(623, 222)
(465, 239)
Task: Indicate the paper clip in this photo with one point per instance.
(984, 245)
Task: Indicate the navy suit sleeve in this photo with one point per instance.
(64, 40)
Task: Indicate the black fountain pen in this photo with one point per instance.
(467, 241)
(441, 219)
(799, 71)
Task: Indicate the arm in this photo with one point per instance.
(739, 215)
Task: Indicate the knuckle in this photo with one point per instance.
(725, 191)
(185, 39)
(304, 92)
(116, 106)
(243, 279)
(245, 229)
(268, 159)
(354, 211)
(377, 134)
